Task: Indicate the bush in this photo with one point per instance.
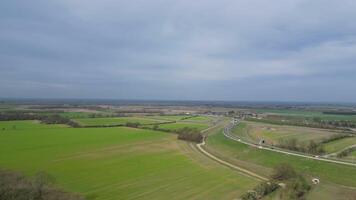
(260, 191)
(190, 134)
(296, 185)
(133, 124)
(283, 172)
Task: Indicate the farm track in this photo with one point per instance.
(244, 171)
(232, 166)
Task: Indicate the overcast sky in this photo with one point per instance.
(284, 50)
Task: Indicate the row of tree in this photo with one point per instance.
(47, 119)
(311, 147)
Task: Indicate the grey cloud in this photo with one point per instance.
(226, 50)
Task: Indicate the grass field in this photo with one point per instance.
(168, 117)
(198, 119)
(119, 163)
(273, 134)
(333, 176)
(176, 126)
(115, 121)
(338, 145)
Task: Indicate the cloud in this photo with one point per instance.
(153, 49)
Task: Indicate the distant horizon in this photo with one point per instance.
(276, 102)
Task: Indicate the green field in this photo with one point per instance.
(273, 134)
(337, 177)
(119, 163)
(175, 126)
(198, 119)
(168, 117)
(339, 145)
(115, 121)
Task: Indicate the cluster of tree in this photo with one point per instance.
(9, 116)
(57, 119)
(292, 144)
(261, 190)
(188, 117)
(346, 152)
(190, 134)
(47, 119)
(16, 186)
(296, 185)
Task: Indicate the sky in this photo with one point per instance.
(233, 50)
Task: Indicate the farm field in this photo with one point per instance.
(115, 121)
(120, 163)
(198, 119)
(273, 134)
(26, 125)
(179, 125)
(339, 145)
(168, 117)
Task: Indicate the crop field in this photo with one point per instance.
(119, 163)
(339, 145)
(334, 185)
(273, 134)
(115, 121)
(176, 126)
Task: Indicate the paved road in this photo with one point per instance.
(227, 134)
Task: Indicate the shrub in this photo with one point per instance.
(190, 134)
(260, 191)
(133, 124)
(283, 172)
